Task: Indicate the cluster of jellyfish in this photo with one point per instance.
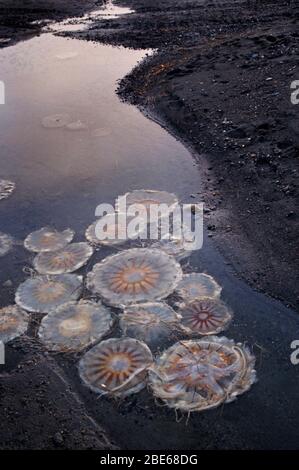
(131, 290)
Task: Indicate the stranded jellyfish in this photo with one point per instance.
(202, 374)
(175, 246)
(76, 126)
(48, 239)
(55, 121)
(204, 316)
(149, 322)
(196, 285)
(116, 367)
(68, 259)
(6, 243)
(44, 293)
(75, 325)
(148, 198)
(114, 227)
(13, 323)
(6, 188)
(135, 275)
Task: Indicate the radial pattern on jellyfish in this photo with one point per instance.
(6, 188)
(197, 285)
(149, 322)
(204, 316)
(202, 374)
(115, 230)
(135, 275)
(47, 239)
(75, 325)
(13, 323)
(44, 293)
(67, 260)
(116, 367)
(6, 244)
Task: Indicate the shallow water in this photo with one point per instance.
(62, 175)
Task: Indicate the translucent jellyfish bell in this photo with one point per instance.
(202, 374)
(149, 322)
(115, 227)
(13, 323)
(55, 121)
(66, 260)
(75, 325)
(43, 293)
(116, 367)
(47, 239)
(6, 188)
(6, 244)
(135, 275)
(204, 316)
(148, 198)
(197, 285)
(174, 246)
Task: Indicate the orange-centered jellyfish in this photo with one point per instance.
(116, 367)
(135, 275)
(67, 260)
(48, 239)
(43, 293)
(197, 285)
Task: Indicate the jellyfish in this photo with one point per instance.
(196, 285)
(149, 322)
(174, 246)
(135, 275)
(44, 293)
(202, 374)
(6, 244)
(204, 316)
(47, 239)
(76, 126)
(116, 367)
(67, 260)
(115, 230)
(6, 189)
(101, 132)
(13, 323)
(149, 198)
(75, 325)
(55, 121)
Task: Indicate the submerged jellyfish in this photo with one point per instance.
(47, 239)
(13, 323)
(148, 198)
(67, 260)
(6, 244)
(6, 188)
(116, 367)
(149, 322)
(135, 275)
(44, 293)
(75, 325)
(76, 126)
(55, 121)
(204, 316)
(101, 132)
(202, 374)
(196, 285)
(114, 227)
